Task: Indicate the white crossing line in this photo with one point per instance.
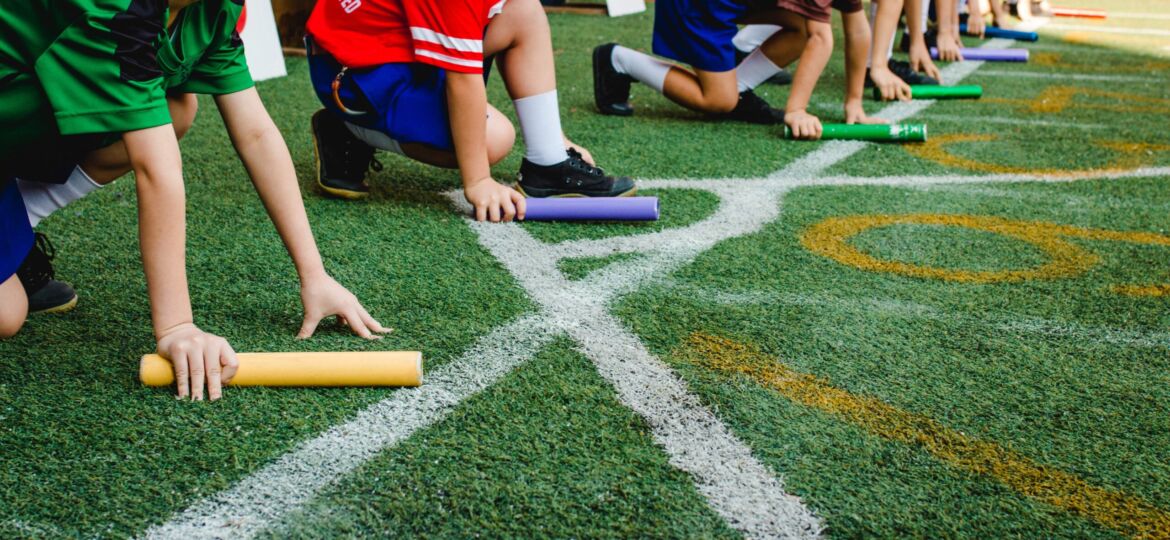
(1069, 76)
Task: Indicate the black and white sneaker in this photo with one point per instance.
(611, 90)
(754, 110)
(342, 159)
(573, 177)
(45, 294)
(904, 72)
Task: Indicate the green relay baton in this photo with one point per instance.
(870, 132)
(933, 91)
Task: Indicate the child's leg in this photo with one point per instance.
(98, 168)
(521, 40)
(16, 241)
(13, 307)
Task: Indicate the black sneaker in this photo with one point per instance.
(611, 90)
(907, 74)
(342, 159)
(573, 177)
(781, 78)
(45, 294)
(754, 110)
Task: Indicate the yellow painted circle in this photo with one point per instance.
(831, 239)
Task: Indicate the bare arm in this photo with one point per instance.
(919, 54)
(812, 64)
(265, 155)
(197, 356)
(467, 103)
(947, 12)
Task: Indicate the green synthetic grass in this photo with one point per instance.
(1063, 371)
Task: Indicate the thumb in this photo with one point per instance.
(309, 326)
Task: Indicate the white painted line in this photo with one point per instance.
(266, 496)
(984, 119)
(745, 492)
(1060, 75)
(1109, 30)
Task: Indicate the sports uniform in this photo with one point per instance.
(395, 56)
(700, 32)
(70, 72)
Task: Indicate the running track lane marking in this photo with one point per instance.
(741, 489)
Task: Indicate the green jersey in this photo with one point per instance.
(202, 53)
(77, 67)
(76, 73)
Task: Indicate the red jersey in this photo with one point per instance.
(443, 33)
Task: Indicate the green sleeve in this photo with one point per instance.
(223, 68)
(101, 74)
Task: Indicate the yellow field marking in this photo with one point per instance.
(1055, 99)
(1052, 59)
(1077, 37)
(1156, 291)
(830, 238)
(1114, 509)
(1130, 156)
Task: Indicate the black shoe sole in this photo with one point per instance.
(612, 109)
(541, 193)
(60, 308)
(331, 191)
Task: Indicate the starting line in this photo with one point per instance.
(748, 494)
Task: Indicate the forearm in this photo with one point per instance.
(467, 103)
(948, 17)
(265, 156)
(812, 64)
(154, 157)
(857, 49)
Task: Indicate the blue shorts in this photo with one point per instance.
(16, 235)
(699, 32)
(406, 101)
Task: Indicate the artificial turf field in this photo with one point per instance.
(964, 338)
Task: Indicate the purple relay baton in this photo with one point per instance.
(990, 55)
(593, 209)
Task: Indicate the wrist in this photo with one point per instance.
(159, 334)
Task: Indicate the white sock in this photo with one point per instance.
(754, 69)
(42, 199)
(540, 124)
(643, 68)
(750, 37)
(374, 138)
(926, 13)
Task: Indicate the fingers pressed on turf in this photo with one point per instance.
(182, 375)
(358, 325)
(212, 364)
(309, 326)
(195, 361)
(373, 323)
(521, 205)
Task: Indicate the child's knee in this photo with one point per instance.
(15, 307)
(501, 137)
(183, 109)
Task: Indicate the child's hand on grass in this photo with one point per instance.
(324, 297)
(802, 124)
(855, 114)
(976, 26)
(920, 60)
(198, 358)
(948, 47)
(494, 201)
(889, 85)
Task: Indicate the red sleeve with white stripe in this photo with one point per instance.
(447, 33)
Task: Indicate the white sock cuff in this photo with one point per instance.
(642, 67)
(754, 70)
(540, 124)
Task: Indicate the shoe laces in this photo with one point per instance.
(358, 157)
(36, 270)
(577, 162)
